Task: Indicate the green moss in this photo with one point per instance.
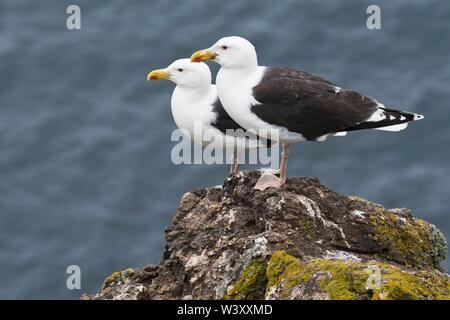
(252, 282)
(285, 272)
(128, 272)
(412, 242)
(338, 279)
(306, 228)
(114, 277)
(117, 277)
(348, 280)
(401, 285)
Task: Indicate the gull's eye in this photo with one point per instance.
(224, 47)
(180, 70)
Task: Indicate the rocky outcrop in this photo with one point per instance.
(303, 241)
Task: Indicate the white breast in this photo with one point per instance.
(189, 108)
(194, 112)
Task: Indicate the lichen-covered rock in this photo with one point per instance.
(325, 278)
(303, 241)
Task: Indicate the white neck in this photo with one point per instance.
(192, 93)
(234, 87)
(235, 79)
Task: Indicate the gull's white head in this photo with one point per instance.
(230, 52)
(185, 74)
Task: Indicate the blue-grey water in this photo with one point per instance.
(85, 170)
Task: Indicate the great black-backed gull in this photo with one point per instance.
(301, 105)
(195, 102)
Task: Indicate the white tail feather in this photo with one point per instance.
(395, 127)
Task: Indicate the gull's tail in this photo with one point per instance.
(388, 120)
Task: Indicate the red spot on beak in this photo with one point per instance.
(153, 78)
(198, 59)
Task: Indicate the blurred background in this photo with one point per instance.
(85, 170)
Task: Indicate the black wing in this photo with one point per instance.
(308, 104)
(289, 73)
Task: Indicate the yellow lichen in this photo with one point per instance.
(128, 272)
(407, 241)
(351, 280)
(252, 282)
(117, 277)
(306, 228)
(347, 280)
(401, 285)
(284, 272)
(112, 278)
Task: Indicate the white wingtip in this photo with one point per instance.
(394, 128)
(418, 117)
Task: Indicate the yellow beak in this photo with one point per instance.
(158, 74)
(201, 55)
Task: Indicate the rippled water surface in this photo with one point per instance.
(85, 171)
